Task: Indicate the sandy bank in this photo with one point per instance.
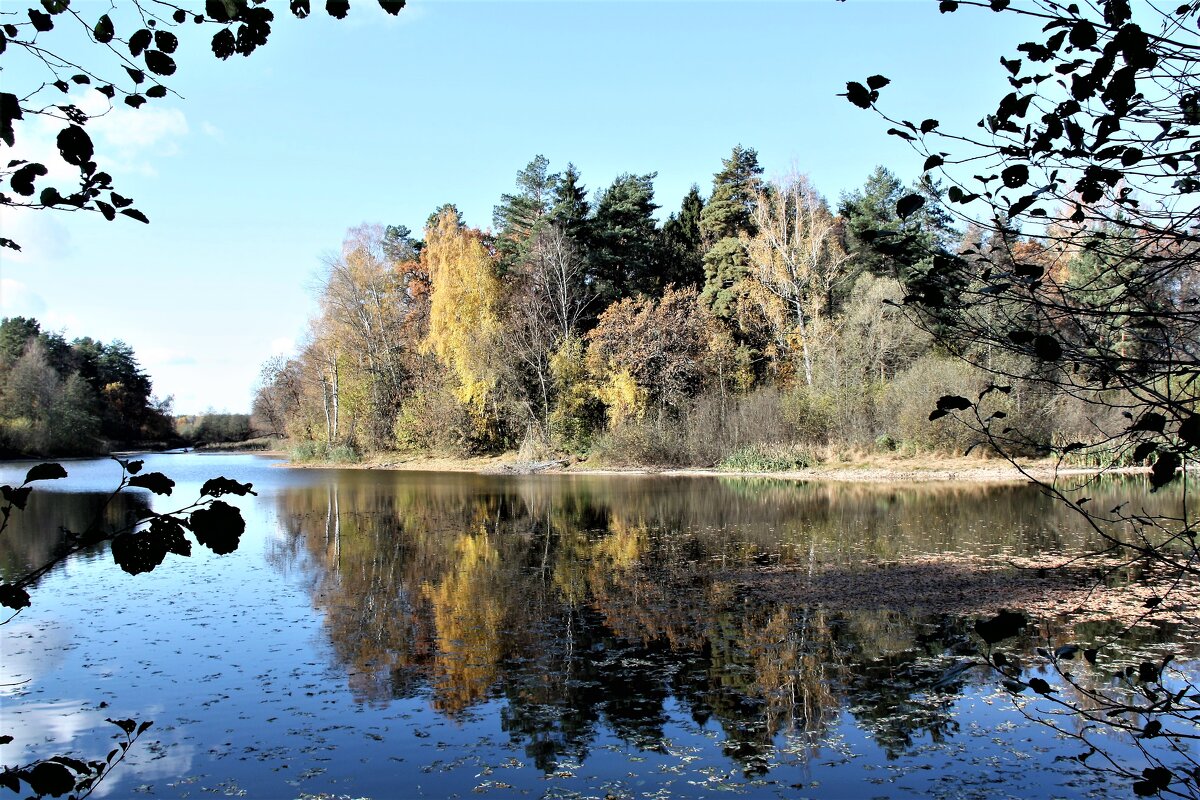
(875, 470)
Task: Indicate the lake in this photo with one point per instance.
(405, 634)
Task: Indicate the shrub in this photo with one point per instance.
(766, 458)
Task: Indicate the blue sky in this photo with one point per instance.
(258, 170)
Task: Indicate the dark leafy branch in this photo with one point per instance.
(1085, 178)
(132, 50)
(137, 547)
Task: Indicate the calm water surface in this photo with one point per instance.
(391, 634)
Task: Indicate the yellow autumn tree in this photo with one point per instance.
(464, 324)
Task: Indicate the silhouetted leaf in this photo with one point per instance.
(133, 467)
(127, 725)
(1189, 431)
(215, 487)
(1143, 451)
(10, 778)
(50, 777)
(75, 145)
(139, 42)
(1015, 176)
(908, 205)
(180, 16)
(1014, 686)
(49, 471)
(136, 75)
(10, 110)
(16, 497)
(168, 531)
(218, 527)
(103, 32)
(1153, 728)
(933, 162)
(1083, 34)
(1155, 780)
(1047, 348)
(41, 22)
(1150, 421)
(877, 82)
(1066, 652)
(392, 6)
(1163, 471)
(138, 552)
(160, 63)
(223, 44)
(953, 402)
(13, 597)
(1090, 655)
(859, 95)
(154, 481)
(1039, 686)
(133, 213)
(300, 8)
(166, 41)
(22, 180)
(946, 6)
(337, 8)
(1003, 626)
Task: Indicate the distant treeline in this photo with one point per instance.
(73, 398)
(759, 326)
(213, 428)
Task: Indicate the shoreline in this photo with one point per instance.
(925, 469)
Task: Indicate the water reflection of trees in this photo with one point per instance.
(35, 534)
(589, 603)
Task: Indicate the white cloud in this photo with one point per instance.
(212, 131)
(152, 357)
(41, 235)
(18, 300)
(126, 139)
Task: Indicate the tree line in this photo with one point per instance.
(761, 326)
(79, 397)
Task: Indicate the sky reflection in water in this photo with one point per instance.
(407, 634)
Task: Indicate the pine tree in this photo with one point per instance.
(517, 217)
(868, 212)
(726, 216)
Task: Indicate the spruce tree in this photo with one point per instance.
(570, 206)
(725, 217)
(624, 246)
(683, 251)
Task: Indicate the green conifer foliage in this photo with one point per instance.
(683, 243)
(725, 217)
(624, 254)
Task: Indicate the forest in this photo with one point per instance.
(760, 327)
(81, 397)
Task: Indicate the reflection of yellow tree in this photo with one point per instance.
(794, 661)
(469, 610)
